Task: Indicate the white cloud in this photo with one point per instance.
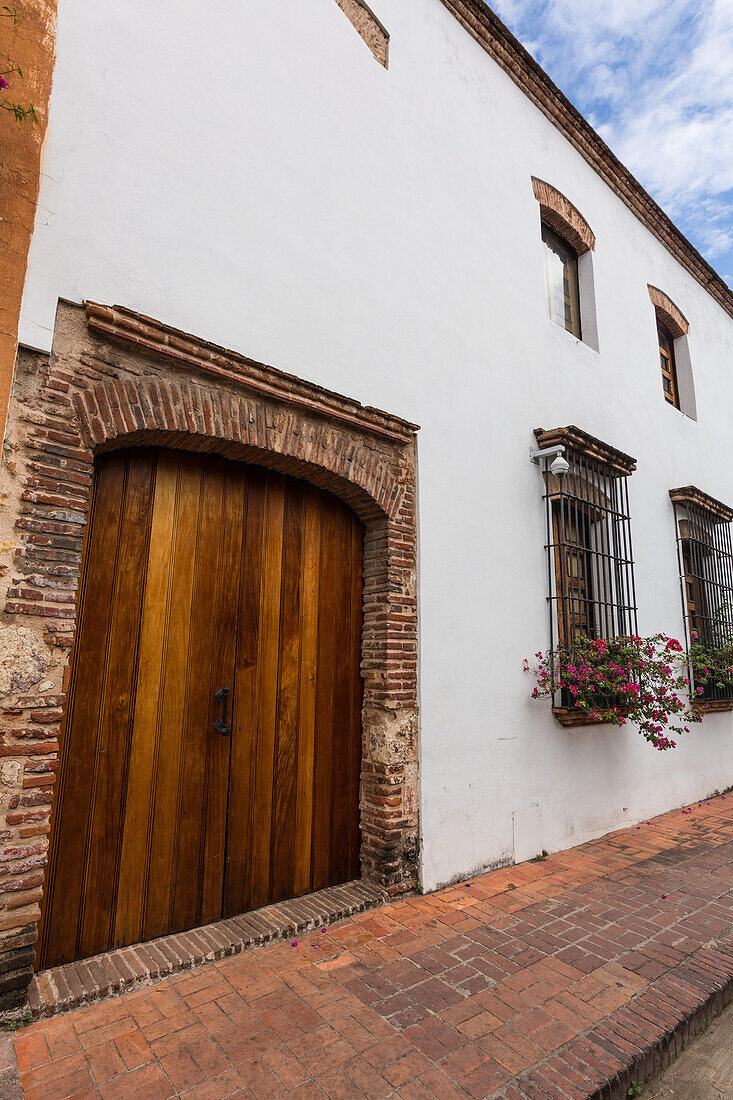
(656, 78)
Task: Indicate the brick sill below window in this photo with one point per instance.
(715, 706)
(570, 717)
(573, 717)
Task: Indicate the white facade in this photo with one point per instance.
(248, 173)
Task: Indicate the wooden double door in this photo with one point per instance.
(201, 574)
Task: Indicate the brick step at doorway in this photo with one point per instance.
(65, 987)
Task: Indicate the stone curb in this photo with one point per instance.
(63, 988)
(637, 1041)
(10, 1087)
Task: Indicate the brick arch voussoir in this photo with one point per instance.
(563, 217)
(190, 416)
(670, 314)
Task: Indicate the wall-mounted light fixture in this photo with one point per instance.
(559, 465)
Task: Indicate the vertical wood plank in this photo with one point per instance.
(267, 692)
(353, 816)
(310, 575)
(327, 658)
(226, 611)
(199, 702)
(154, 634)
(342, 731)
(117, 708)
(164, 811)
(245, 703)
(286, 735)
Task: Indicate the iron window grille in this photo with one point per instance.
(705, 557)
(591, 591)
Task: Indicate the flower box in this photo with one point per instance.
(714, 706)
(574, 717)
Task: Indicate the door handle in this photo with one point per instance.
(220, 725)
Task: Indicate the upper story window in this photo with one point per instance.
(590, 562)
(569, 242)
(668, 364)
(706, 575)
(674, 355)
(561, 281)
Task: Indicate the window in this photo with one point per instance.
(705, 556)
(674, 354)
(695, 605)
(590, 567)
(561, 281)
(668, 364)
(568, 243)
(572, 546)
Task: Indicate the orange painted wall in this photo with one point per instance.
(30, 44)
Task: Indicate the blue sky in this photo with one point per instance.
(655, 78)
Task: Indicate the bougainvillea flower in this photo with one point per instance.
(625, 679)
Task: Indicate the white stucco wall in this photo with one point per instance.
(247, 172)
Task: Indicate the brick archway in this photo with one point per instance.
(116, 379)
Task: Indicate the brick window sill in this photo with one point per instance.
(572, 717)
(715, 706)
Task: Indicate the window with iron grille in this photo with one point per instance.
(705, 554)
(590, 564)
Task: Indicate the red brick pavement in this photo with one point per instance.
(542, 980)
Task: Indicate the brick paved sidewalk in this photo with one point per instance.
(544, 980)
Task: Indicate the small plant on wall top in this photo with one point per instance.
(627, 679)
(20, 113)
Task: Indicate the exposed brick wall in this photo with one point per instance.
(668, 312)
(137, 382)
(563, 217)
